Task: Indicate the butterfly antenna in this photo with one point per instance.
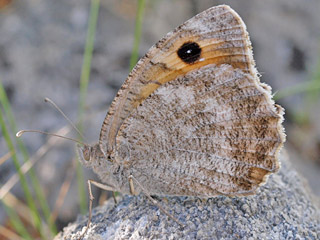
(19, 134)
(62, 113)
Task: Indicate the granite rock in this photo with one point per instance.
(284, 208)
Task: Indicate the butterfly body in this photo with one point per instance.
(192, 118)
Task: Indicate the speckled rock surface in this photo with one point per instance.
(284, 208)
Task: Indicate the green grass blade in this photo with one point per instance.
(24, 184)
(137, 34)
(311, 86)
(16, 222)
(34, 180)
(85, 76)
(315, 82)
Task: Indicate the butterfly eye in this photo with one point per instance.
(189, 52)
(86, 153)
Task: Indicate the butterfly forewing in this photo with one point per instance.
(193, 118)
(221, 36)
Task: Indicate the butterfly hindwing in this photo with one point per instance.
(209, 132)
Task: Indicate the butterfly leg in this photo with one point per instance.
(131, 179)
(91, 198)
(132, 191)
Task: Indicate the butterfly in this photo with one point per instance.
(192, 118)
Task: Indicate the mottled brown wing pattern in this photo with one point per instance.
(213, 131)
(222, 37)
(193, 118)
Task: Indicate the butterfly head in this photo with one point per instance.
(90, 155)
(85, 153)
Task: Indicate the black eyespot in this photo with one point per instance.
(189, 52)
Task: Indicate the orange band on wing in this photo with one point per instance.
(170, 66)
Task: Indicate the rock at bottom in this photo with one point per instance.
(284, 208)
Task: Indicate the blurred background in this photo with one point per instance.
(42, 45)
